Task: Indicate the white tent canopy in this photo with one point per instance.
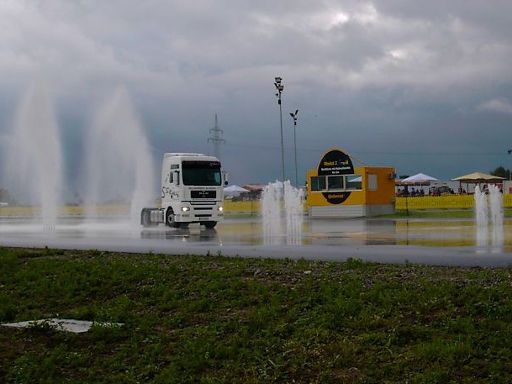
(419, 178)
(234, 190)
(478, 177)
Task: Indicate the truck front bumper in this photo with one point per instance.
(200, 213)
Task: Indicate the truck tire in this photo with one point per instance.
(210, 224)
(145, 218)
(169, 219)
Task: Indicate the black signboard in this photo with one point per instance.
(334, 163)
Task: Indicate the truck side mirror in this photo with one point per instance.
(177, 177)
(226, 182)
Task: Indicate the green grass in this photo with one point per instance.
(191, 319)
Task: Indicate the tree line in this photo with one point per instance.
(501, 172)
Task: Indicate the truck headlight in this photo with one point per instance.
(185, 209)
(221, 208)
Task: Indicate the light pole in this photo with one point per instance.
(280, 87)
(510, 172)
(294, 117)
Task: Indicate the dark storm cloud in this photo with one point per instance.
(371, 77)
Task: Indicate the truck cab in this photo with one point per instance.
(191, 192)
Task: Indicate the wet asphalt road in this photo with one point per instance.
(434, 242)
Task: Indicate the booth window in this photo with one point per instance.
(334, 182)
(354, 182)
(318, 183)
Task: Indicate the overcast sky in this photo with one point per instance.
(424, 86)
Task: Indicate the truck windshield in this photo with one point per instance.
(201, 173)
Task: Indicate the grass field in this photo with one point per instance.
(193, 319)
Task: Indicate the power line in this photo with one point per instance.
(352, 153)
(366, 153)
(216, 138)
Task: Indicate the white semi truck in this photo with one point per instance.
(192, 192)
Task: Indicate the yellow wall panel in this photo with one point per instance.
(385, 193)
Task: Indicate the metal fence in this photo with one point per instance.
(442, 202)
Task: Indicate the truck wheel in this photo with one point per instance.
(210, 224)
(169, 219)
(145, 218)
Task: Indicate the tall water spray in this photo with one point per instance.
(489, 216)
(481, 208)
(276, 197)
(293, 206)
(34, 159)
(271, 212)
(496, 211)
(119, 162)
(482, 217)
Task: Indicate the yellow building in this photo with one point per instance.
(337, 189)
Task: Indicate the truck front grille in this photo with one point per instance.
(202, 203)
(203, 194)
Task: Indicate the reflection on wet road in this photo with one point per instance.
(416, 240)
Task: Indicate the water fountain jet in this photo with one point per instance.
(293, 206)
(496, 215)
(276, 197)
(489, 216)
(271, 212)
(34, 159)
(119, 162)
